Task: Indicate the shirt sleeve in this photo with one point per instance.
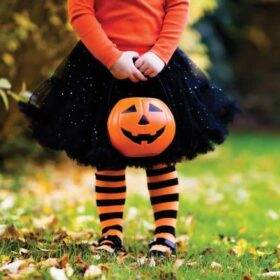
(82, 18)
(177, 12)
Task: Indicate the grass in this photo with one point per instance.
(228, 221)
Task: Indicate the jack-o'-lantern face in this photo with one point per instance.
(140, 126)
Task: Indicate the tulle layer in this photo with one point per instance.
(69, 110)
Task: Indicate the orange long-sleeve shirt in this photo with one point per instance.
(108, 27)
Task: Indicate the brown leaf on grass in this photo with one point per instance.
(167, 275)
(227, 239)
(83, 237)
(9, 232)
(23, 251)
(36, 234)
(208, 251)
(63, 261)
(59, 235)
(121, 257)
(81, 264)
(141, 261)
(104, 267)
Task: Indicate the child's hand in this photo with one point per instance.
(149, 64)
(124, 68)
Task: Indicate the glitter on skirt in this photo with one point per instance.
(69, 110)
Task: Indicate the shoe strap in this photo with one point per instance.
(163, 241)
(114, 240)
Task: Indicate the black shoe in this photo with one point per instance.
(110, 244)
(169, 246)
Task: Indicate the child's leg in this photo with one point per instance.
(110, 199)
(164, 194)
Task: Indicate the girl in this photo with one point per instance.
(128, 48)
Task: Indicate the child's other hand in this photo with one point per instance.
(150, 64)
(124, 68)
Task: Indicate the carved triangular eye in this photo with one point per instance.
(131, 109)
(153, 108)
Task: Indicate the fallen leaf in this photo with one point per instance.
(18, 268)
(141, 261)
(216, 266)
(104, 267)
(121, 257)
(12, 267)
(36, 234)
(93, 271)
(83, 237)
(48, 263)
(9, 232)
(208, 251)
(271, 274)
(59, 235)
(178, 263)
(63, 261)
(191, 263)
(23, 251)
(69, 270)
(253, 251)
(240, 247)
(81, 264)
(58, 274)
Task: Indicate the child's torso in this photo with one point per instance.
(131, 24)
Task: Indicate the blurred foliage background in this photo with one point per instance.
(235, 41)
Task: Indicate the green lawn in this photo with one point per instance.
(228, 226)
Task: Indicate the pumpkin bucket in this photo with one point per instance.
(141, 126)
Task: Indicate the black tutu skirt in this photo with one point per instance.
(69, 110)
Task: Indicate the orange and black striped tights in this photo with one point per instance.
(164, 195)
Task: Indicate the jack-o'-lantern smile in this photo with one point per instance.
(149, 138)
